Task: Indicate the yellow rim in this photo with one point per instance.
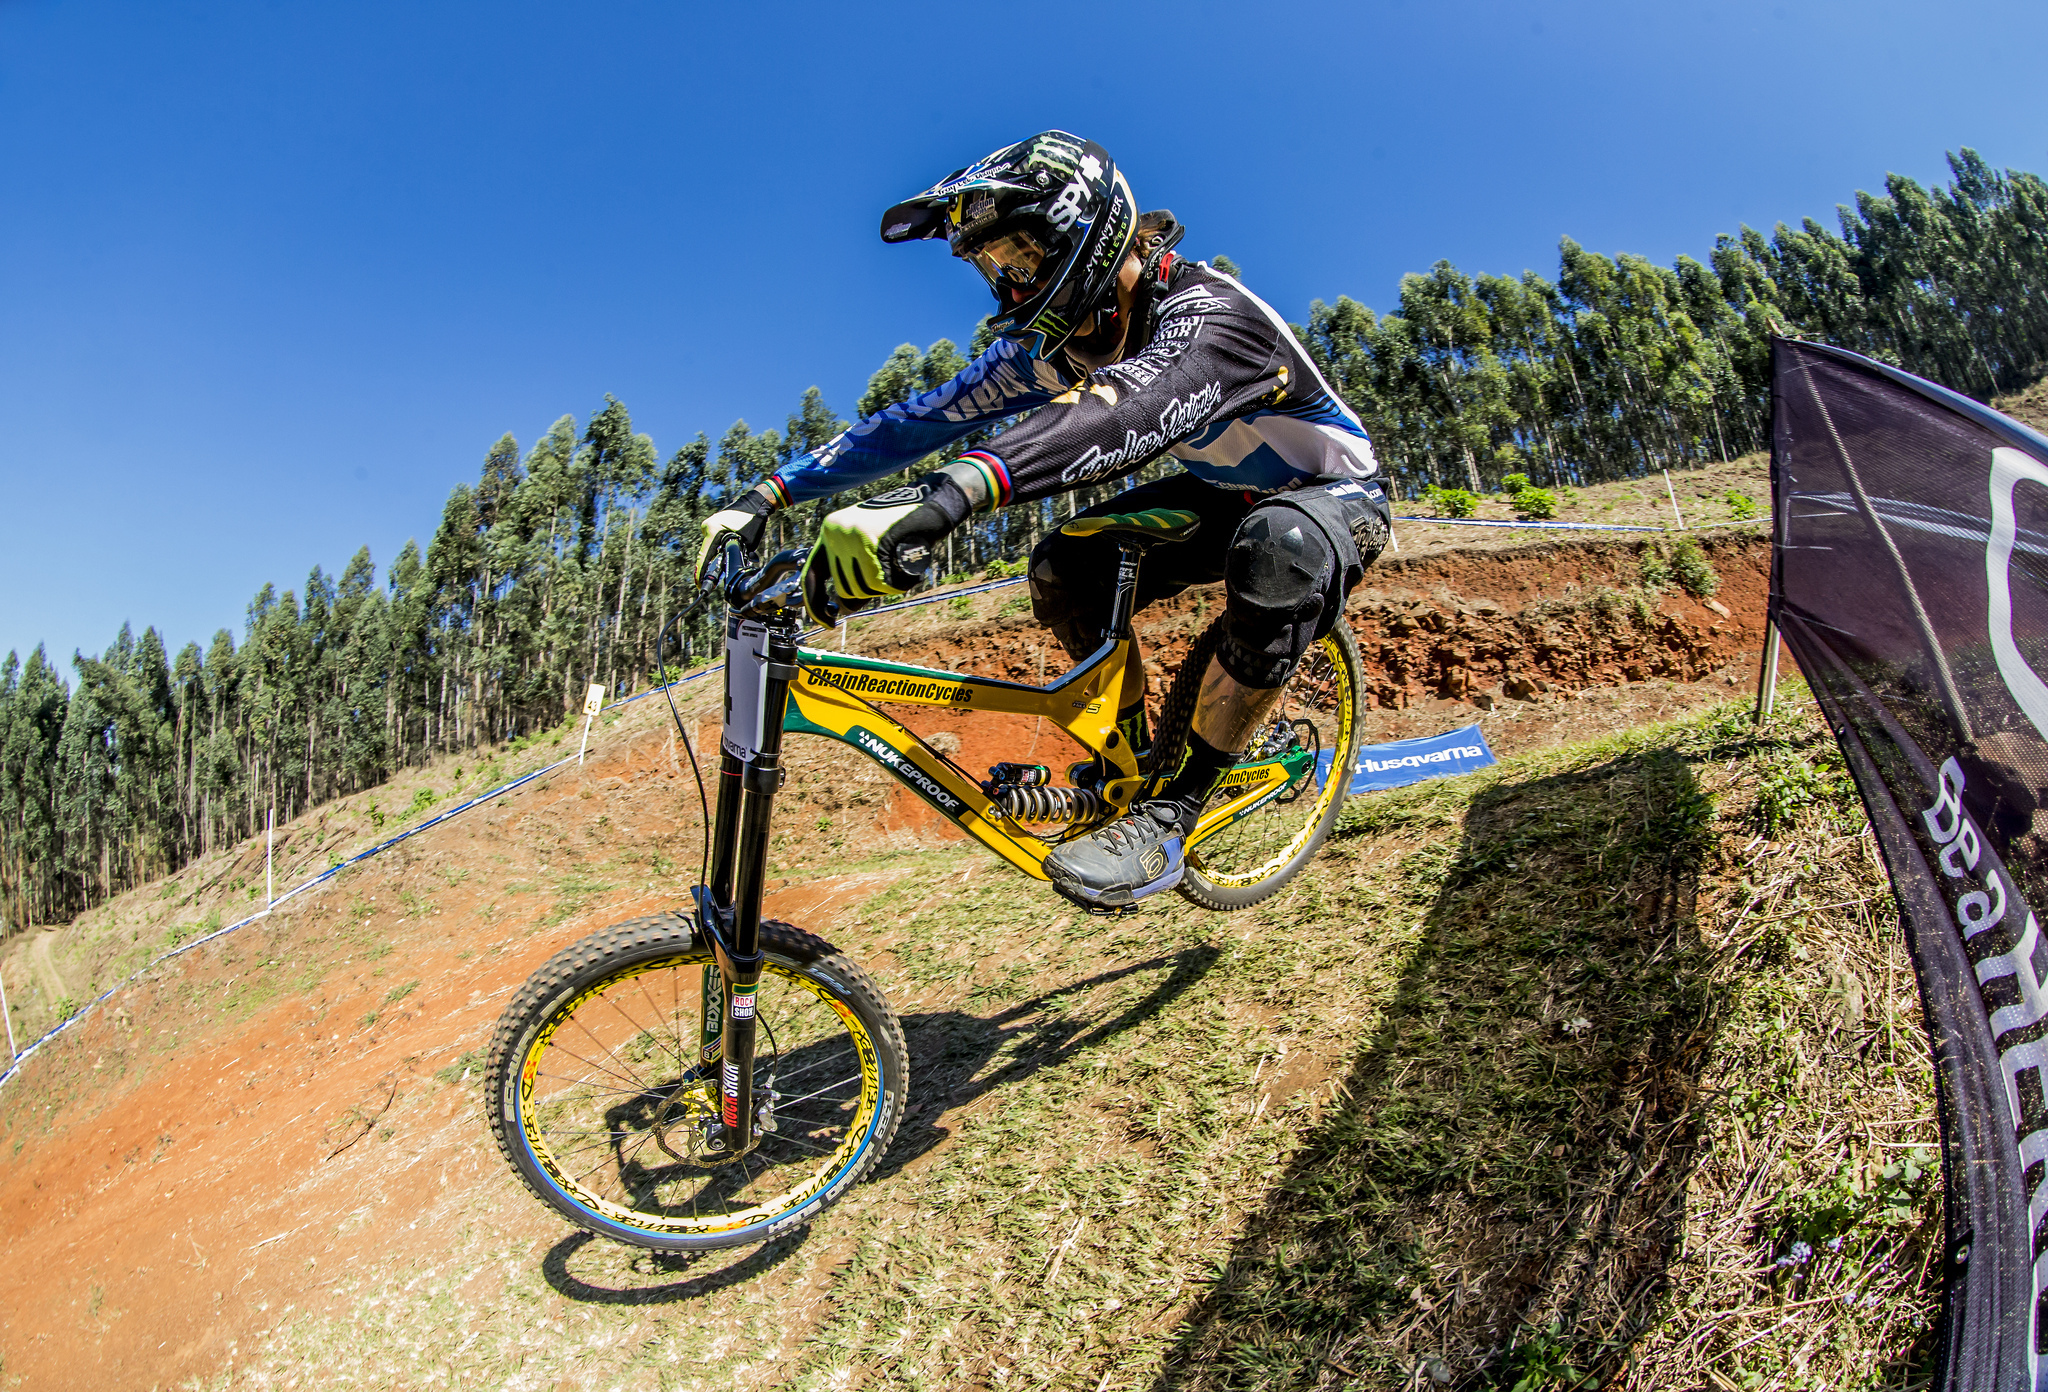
(1248, 803)
(859, 1129)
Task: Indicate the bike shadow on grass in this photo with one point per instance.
(637, 1272)
(1504, 1164)
(957, 1058)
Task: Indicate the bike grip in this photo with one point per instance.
(821, 601)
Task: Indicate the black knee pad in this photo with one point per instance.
(1059, 603)
(1277, 578)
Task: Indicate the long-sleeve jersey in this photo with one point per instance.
(1222, 386)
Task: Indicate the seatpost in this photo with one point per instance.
(1124, 603)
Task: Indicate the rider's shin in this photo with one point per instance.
(1199, 774)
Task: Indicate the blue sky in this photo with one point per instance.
(275, 275)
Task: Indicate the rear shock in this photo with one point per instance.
(1023, 791)
(1048, 805)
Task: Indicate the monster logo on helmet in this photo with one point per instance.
(1047, 221)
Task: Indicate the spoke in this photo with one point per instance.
(820, 1092)
(594, 1168)
(659, 1014)
(815, 1150)
(820, 1063)
(831, 1120)
(613, 1134)
(640, 1031)
(675, 991)
(604, 1092)
(577, 1020)
(626, 1077)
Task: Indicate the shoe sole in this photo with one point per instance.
(1077, 893)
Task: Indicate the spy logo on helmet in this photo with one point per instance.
(1067, 207)
(980, 208)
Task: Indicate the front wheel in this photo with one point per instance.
(599, 1099)
(1274, 810)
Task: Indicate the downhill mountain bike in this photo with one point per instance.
(703, 1078)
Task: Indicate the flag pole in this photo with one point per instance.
(12, 1052)
(1672, 494)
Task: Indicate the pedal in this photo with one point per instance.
(1106, 911)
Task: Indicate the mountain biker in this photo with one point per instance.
(1132, 352)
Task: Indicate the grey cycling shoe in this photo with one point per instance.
(1140, 853)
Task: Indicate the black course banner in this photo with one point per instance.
(1911, 583)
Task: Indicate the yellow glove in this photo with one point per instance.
(882, 547)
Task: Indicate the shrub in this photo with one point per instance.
(1741, 506)
(1655, 570)
(422, 799)
(1450, 502)
(1536, 503)
(1695, 574)
(1000, 569)
(1514, 483)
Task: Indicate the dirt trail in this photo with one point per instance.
(247, 1133)
(46, 967)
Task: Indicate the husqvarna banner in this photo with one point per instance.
(1911, 583)
(1412, 760)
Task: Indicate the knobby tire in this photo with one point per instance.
(598, 1100)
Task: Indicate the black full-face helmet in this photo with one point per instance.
(1047, 222)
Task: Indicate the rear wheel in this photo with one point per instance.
(599, 1100)
(1288, 786)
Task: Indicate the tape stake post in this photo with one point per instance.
(1672, 494)
(5, 1014)
(269, 848)
(593, 702)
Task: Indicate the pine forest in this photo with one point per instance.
(567, 558)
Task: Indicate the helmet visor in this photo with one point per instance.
(1010, 263)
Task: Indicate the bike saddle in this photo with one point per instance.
(1148, 525)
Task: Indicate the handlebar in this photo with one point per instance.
(768, 588)
(764, 593)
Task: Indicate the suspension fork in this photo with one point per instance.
(760, 665)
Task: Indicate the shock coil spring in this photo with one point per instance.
(1045, 805)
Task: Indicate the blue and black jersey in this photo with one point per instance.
(1222, 386)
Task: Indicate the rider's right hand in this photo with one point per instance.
(746, 518)
(879, 548)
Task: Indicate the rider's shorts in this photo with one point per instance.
(1286, 561)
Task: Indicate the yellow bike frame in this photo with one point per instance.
(834, 694)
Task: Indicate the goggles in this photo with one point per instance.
(1010, 263)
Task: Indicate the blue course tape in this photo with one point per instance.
(1573, 526)
(1541, 526)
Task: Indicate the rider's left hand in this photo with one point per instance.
(880, 548)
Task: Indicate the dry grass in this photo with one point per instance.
(1653, 1109)
(1537, 1079)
